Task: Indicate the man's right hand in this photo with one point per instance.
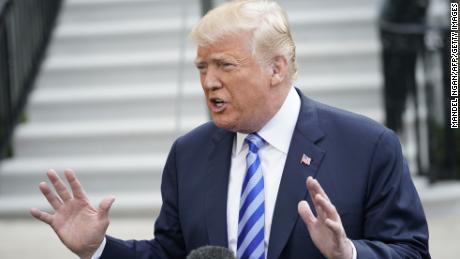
(80, 226)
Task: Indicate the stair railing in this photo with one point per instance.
(25, 29)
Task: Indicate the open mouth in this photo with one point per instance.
(217, 104)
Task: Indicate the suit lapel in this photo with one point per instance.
(217, 176)
(292, 188)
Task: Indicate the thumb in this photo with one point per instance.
(105, 206)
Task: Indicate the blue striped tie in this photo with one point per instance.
(252, 206)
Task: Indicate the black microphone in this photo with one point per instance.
(211, 252)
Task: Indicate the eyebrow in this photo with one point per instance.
(197, 60)
(215, 57)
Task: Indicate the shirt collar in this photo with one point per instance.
(278, 130)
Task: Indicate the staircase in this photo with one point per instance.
(119, 86)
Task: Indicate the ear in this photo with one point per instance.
(279, 69)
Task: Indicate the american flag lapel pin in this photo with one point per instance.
(306, 160)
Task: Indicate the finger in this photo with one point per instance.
(306, 214)
(310, 188)
(327, 207)
(335, 227)
(315, 188)
(41, 215)
(313, 192)
(104, 207)
(77, 189)
(53, 200)
(319, 210)
(59, 186)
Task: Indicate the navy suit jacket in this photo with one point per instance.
(357, 161)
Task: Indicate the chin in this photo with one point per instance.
(224, 124)
(233, 124)
(233, 127)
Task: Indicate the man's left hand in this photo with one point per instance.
(326, 228)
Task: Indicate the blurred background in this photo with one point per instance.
(105, 86)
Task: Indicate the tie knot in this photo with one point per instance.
(255, 142)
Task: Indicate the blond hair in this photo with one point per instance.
(266, 20)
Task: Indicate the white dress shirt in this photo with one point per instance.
(278, 134)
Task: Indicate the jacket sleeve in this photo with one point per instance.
(168, 242)
(394, 222)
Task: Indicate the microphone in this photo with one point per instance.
(211, 252)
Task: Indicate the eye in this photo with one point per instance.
(202, 68)
(227, 65)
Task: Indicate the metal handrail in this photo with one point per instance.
(25, 29)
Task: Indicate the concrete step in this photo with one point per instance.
(332, 58)
(115, 69)
(353, 92)
(139, 68)
(91, 138)
(89, 11)
(80, 103)
(121, 36)
(334, 24)
(292, 5)
(130, 203)
(99, 174)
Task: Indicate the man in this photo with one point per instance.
(402, 26)
(239, 181)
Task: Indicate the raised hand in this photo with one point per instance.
(80, 226)
(326, 229)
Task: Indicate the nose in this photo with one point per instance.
(211, 80)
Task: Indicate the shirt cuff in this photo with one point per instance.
(100, 249)
(354, 253)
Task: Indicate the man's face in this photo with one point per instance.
(238, 90)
